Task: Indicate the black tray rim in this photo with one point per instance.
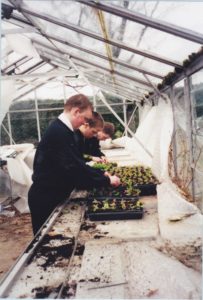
(119, 215)
(113, 197)
(145, 185)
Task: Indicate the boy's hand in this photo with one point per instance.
(97, 159)
(115, 181)
(104, 159)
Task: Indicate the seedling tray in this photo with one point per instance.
(114, 214)
(112, 197)
(108, 193)
(146, 189)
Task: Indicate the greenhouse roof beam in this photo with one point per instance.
(130, 85)
(37, 86)
(110, 89)
(117, 92)
(58, 60)
(115, 86)
(18, 20)
(109, 71)
(120, 83)
(140, 81)
(39, 75)
(44, 63)
(101, 96)
(131, 117)
(32, 89)
(114, 89)
(113, 92)
(129, 91)
(55, 63)
(32, 68)
(53, 49)
(13, 64)
(35, 79)
(147, 21)
(17, 30)
(86, 32)
(126, 84)
(193, 68)
(113, 104)
(16, 64)
(146, 88)
(97, 54)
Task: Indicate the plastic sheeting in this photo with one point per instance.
(8, 91)
(21, 44)
(171, 205)
(143, 111)
(19, 172)
(5, 186)
(154, 132)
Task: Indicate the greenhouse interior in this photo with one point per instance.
(140, 65)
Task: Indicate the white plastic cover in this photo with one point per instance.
(8, 91)
(20, 173)
(21, 44)
(171, 205)
(154, 132)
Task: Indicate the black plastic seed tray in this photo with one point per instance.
(91, 197)
(110, 193)
(146, 189)
(117, 213)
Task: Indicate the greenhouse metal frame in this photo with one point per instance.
(73, 58)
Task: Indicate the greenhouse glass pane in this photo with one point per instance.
(27, 66)
(117, 28)
(23, 104)
(197, 102)
(182, 155)
(50, 95)
(110, 98)
(169, 11)
(10, 59)
(46, 117)
(4, 137)
(197, 97)
(24, 127)
(42, 69)
(24, 94)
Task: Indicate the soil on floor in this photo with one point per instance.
(15, 235)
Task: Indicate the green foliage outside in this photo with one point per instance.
(24, 124)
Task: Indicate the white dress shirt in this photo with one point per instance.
(64, 118)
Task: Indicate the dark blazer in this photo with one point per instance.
(92, 147)
(80, 141)
(88, 146)
(58, 162)
(58, 169)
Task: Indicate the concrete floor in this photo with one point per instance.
(126, 264)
